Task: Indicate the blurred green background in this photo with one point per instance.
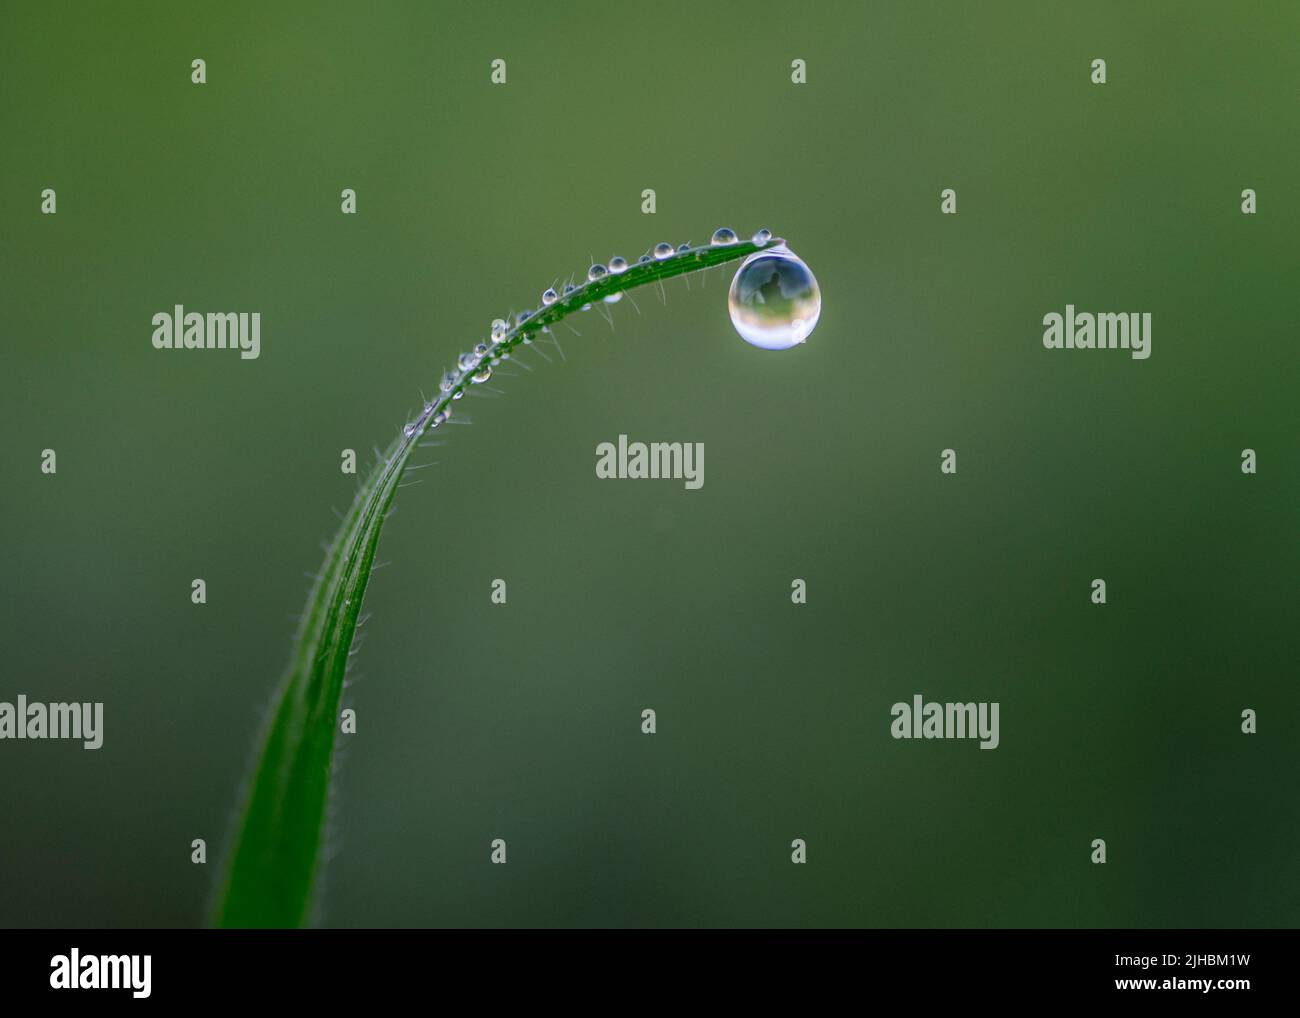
(522, 721)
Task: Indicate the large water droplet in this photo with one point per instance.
(774, 299)
(663, 251)
(724, 236)
(617, 265)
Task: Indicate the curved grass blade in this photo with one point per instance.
(274, 860)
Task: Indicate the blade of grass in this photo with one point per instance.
(274, 859)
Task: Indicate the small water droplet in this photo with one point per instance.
(663, 251)
(596, 272)
(549, 296)
(482, 375)
(774, 299)
(762, 237)
(499, 329)
(617, 265)
(643, 260)
(613, 298)
(724, 236)
(467, 361)
(522, 317)
(586, 307)
(481, 349)
(458, 394)
(569, 288)
(683, 248)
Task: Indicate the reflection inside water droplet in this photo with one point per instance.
(774, 300)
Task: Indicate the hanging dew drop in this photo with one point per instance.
(663, 251)
(774, 300)
(723, 236)
(613, 298)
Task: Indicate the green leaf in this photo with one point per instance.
(275, 856)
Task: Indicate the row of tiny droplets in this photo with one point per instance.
(476, 365)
